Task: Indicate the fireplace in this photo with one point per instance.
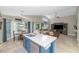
(59, 27)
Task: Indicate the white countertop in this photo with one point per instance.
(42, 40)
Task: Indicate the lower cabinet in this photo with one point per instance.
(32, 47)
(27, 44)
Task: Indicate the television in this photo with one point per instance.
(60, 27)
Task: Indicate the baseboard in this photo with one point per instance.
(78, 42)
(7, 40)
(72, 34)
(1, 42)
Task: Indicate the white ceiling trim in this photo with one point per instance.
(37, 10)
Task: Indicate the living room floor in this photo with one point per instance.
(64, 44)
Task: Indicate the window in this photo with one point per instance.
(26, 26)
(44, 25)
(36, 26)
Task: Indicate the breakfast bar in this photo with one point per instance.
(39, 42)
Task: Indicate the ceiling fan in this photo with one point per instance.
(56, 15)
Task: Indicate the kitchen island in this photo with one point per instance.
(39, 42)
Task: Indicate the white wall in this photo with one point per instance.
(34, 18)
(71, 20)
(1, 31)
(78, 24)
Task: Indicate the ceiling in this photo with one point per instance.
(37, 10)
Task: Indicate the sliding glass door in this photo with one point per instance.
(37, 26)
(16, 25)
(8, 26)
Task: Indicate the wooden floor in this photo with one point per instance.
(64, 44)
(12, 47)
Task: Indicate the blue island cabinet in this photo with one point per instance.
(49, 50)
(29, 46)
